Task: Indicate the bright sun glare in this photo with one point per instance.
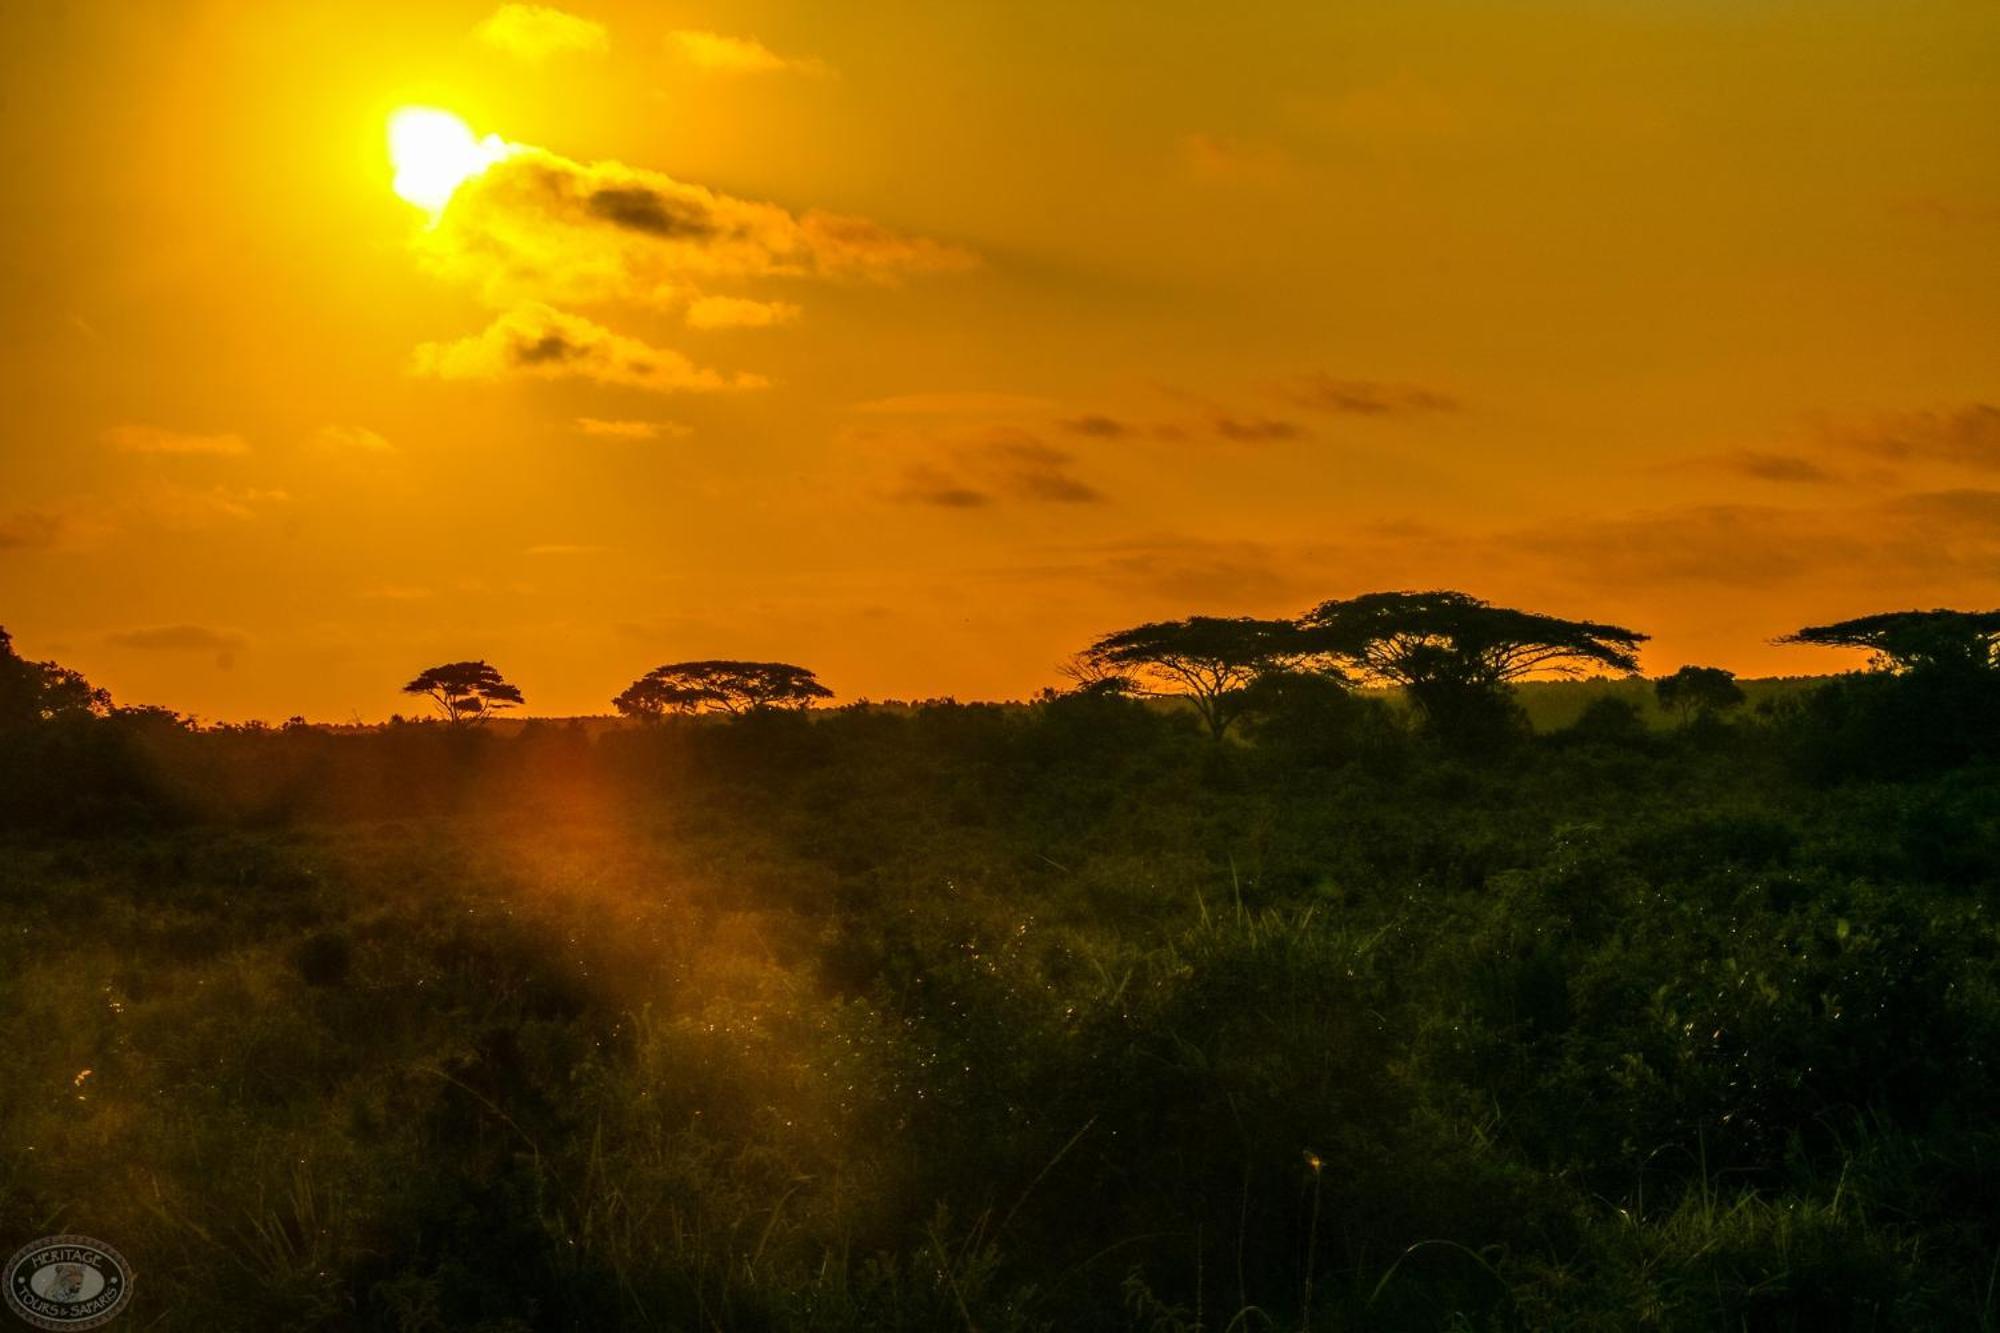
(433, 152)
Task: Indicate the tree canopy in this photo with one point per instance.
(33, 692)
(1209, 660)
(1406, 637)
(1938, 640)
(466, 691)
(721, 687)
(1454, 653)
(1698, 691)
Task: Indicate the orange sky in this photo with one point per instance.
(921, 343)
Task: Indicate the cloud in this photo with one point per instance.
(357, 438)
(224, 644)
(537, 341)
(152, 507)
(1223, 159)
(1027, 469)
(1254, 429)
(1967, 436)
(134, 439)
(535, 232)
(536, 32)
(630, 430)
(30, 530)
(924, 484)
(719, 54)
(841, 244)
(1324, 393)
(735, 312)
(537, 226)
(1097, 427)
(1976, 511)
(976, 403)
(970, 470)
(1760, 466)
(195, 509)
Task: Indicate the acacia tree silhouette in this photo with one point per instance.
(466, 691)
(1927, 641)
(1208, 660)
(1455, 654)
(720, 686)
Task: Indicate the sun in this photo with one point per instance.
(434, 152)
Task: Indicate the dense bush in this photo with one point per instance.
(1058, 1016)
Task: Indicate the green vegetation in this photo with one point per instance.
(1057, 1016)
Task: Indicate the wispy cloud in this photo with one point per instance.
(224, 645)
(982, 467)
(1227, 160)
(736, 312)
(535, 341)
(975, 403)
(196, 509)
(1097, 426)
(30, 530)
(536, 32)
(630, 430)
(927, 484)
(1966, 436)
(358, 439)
(137, 439)
(721, 54)
(1761, 466)
(1367, 398)
(1255, 429)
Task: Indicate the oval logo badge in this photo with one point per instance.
(67, 1282)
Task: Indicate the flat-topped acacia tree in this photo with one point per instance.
(1455, 654)
(720, 687)
(466, 691)
(1208, 660)
(1926, 641)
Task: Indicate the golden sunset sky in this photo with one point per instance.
(921, 343)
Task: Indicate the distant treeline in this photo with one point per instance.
(1305, 691)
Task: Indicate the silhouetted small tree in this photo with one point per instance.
(1927, 641)
(1208, 660)
(720, 687)
(466, 691)
(1455, 654)
(1698, 692)
(32, 692)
